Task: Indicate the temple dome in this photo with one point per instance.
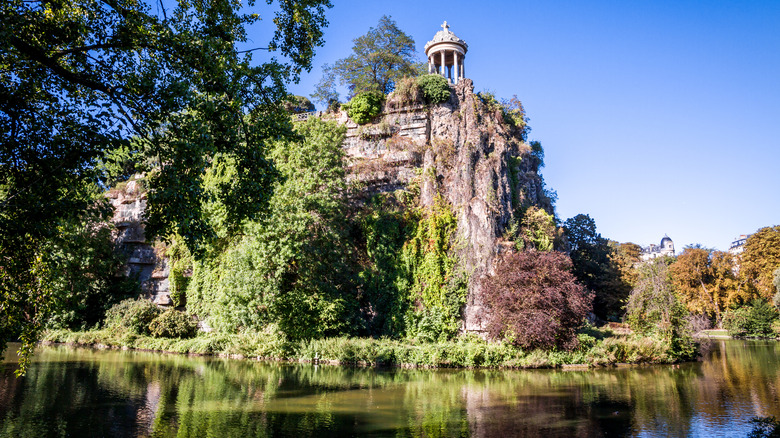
(446, 36)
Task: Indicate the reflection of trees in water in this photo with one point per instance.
(745, 378)
(86, 392)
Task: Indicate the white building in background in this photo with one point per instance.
(738, 245)
(666, 248)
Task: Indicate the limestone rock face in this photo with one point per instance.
(463, 151)
(144, 259)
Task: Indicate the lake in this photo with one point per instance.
(81, 392)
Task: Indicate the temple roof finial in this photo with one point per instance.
(445, 26)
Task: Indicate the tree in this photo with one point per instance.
(534, 300)
(626, 256)
(81, 78)
(84, 269)
(379, 58)
(325, 90)
(760, 258)
(653, 308)
(290, 270)
(298, 105)
(705, 281)
(537, 230)
(595, 266)
(753, 320)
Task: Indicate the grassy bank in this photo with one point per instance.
(713, 334)
(597, 348)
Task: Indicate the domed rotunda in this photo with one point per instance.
(447, 54)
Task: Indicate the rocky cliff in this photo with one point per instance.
(463, 150)
(146, 260)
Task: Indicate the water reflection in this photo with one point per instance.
(81, 392)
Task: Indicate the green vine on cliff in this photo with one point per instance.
(437, 290)
(180, 270)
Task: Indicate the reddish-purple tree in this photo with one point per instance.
(534, 300)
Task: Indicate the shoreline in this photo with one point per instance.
(606, 349)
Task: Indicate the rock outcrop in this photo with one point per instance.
(464, 151)
(146, 260)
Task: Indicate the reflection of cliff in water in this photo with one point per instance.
(111, 393)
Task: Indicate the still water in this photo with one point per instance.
(90, 393)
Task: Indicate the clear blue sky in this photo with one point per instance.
(657, 117)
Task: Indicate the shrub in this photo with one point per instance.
(754, 320)
(407, 91)
(364, 107)
(534, 301)
(133, 315)
(173, 324)
(435, 88)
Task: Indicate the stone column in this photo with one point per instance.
(455, 72)
(430, 65)
(463, 68)
(443, 65)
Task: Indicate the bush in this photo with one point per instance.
(364, 107)
(133, 315)
(407, 92)
(755, 320)
(435, 88)
(534, 301)
(173, 324)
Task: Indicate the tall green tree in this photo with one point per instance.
(379, 59)
(596, 265)
(654, 308)
(80, 78)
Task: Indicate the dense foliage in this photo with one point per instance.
(776, 299)
(533, 300)
(760, 259)
(364, 107)
(173, 324)
(600, 265)
(437, 289)
(132, 315)
(79, 79)
(754, 320)
(289, 270)
(706, 281)
(654, 308)
(298, 104)
(537, 231)
(435, 88)
(384, 280)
